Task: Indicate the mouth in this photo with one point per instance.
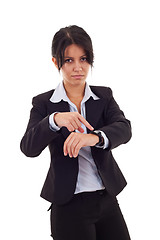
(77, 76)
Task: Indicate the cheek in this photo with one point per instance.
(87, 68)
(64, 69)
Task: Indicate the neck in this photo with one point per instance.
(75, 92)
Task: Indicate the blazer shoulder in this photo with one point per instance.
(43, 97)
(102, 92)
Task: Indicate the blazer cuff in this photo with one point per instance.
(106, 141)
(52, 124)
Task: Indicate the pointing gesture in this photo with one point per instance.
(72, 121)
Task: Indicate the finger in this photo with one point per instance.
(67, 145)
(77, 124)
(70, 128)
(77, 148)
(80, 129)
(65, 151)
(73, 146)
(84, 121)
(70, 147)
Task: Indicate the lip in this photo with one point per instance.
(77, 76)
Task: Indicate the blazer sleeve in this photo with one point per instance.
(117, 128)
(38, 134)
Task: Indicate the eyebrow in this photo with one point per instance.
(72, 57)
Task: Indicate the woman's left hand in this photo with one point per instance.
(76, 141)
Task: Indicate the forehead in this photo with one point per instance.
(74, 50)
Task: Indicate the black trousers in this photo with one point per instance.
(89, 216)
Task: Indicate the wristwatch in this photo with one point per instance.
(101, 139)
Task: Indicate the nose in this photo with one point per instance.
(77, 67)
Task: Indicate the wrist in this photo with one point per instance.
(54, 119)
(100, 139)
(95, 139)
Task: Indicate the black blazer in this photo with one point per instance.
(103, 114)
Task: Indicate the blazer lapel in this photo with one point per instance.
(94, 109)
(61, 106)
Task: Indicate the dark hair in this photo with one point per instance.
(71, 35)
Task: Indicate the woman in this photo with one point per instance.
(80, 124)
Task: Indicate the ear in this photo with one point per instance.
(55, 62)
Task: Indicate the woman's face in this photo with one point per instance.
(75, 68)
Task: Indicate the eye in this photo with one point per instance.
(68, 60)
(83, 59)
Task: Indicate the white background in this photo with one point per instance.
(126, 40)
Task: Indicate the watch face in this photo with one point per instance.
(100, 137)
(98, 133)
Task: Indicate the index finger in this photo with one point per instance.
(84, 121)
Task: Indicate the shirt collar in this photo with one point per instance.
(60, 94)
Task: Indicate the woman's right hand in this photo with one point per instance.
(72, 121)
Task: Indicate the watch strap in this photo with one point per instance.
(101, 140)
